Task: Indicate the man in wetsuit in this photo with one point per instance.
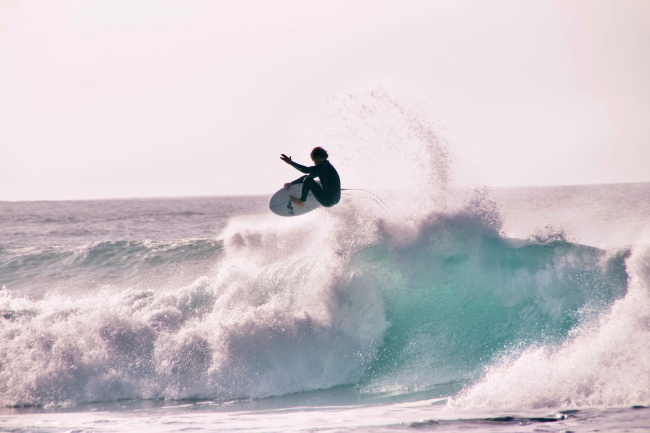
(328, 193)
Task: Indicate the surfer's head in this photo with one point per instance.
(318, 155)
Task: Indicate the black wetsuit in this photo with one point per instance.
(328, 193)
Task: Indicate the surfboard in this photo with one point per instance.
(280, 204)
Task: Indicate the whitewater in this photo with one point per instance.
(429, 307)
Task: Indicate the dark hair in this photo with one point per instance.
(319, 151)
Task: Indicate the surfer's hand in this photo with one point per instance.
(287, 185)
(285, 158)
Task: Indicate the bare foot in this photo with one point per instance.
(296, 201)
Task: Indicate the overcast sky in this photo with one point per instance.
(138, 98)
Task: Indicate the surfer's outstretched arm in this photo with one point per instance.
(299, 167)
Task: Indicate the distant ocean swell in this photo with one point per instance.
(41, 268)
(386, 305)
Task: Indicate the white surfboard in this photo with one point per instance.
(280, 204)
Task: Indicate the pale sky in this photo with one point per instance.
(140, 98)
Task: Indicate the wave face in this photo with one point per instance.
(600, 364)
(461, 295)
(407, 295)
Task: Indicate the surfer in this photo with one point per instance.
(328, 192)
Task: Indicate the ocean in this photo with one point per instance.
(414, 304)
(519, 309)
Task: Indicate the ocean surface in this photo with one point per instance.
(412, 305)
(523, 309)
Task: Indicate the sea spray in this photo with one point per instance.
(385, 142)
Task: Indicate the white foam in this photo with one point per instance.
(282, 314)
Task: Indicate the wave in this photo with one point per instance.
(291, 309)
